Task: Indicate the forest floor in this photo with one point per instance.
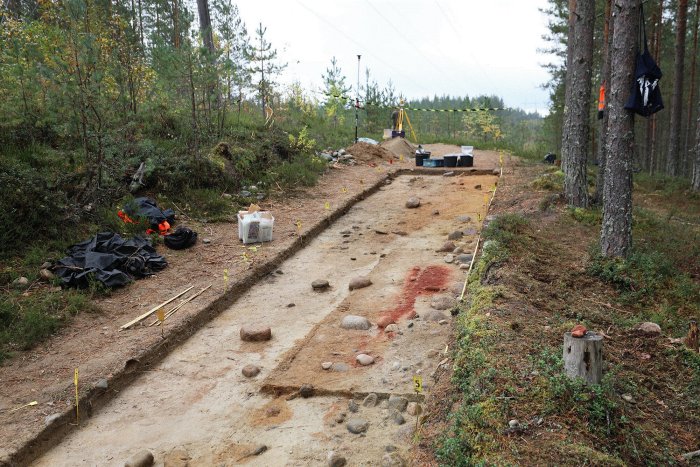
(498, 362)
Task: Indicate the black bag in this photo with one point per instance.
(645, 99)
(180, 239)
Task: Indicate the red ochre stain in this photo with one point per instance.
(418, 281)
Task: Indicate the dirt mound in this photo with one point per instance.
(399, 146)
(366, 152)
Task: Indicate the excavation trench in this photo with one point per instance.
(196, 404)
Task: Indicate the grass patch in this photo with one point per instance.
(590, 216)
(552, 180)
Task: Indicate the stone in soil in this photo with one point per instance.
(397, 417)
(391, 328)
(326, 365)
(46, 265)
(414, 408)
(458, 250)
(355, 322)
(320, 284)
(291, 305)
(206, 240)
(46, 275)
(340, 418)
(412, 202)
(255, 333)
(381, 231)
(335, 460)
(465, 258)
(359, 283)
(463, 218)
(21, 282)
(397, 403)
(341, 367)
(442, 302)
(364, 359)
(393, 459)
(648, 329)
(514, 423)
(456, 235)
(306, 391)
(628, 398)
(449, 258)
(436, 213)
(102, 384)
(259, 449)
(446, 247)
(353, 407)
(250, 371)
(385, 321)
(370, 400)
(49, 419)
(140, 459)
(357, 425)
(395, 366)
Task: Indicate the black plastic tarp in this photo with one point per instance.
(148, 209)
(110, 259)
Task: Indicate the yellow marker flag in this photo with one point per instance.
(245, 258)
(417, 384)
(344, 190)
(401, 157)
(77, 400)
(327, 206)
(160, 314)
(478, 216)
(299, 227)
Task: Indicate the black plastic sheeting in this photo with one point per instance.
(148, 209)
(110, 259)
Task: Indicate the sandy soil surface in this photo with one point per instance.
(93, 343)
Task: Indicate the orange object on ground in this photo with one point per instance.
(123, 216)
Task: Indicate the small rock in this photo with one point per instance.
(355, 322)
(381, 232)
(140, 459)
(364, 359)
(206, 240)
(463, 218)
(464, 258)
(395, 366)
(357, 425)
(628, 398)
(496, 172)
(385, 321)
(414, 408)
(477, 187)
(458, 250)
(340, 418)
(306, 391)
(326, 365)
(449, 258)
(45, 265)
(456, 235)
(340, 367)
(390, 448)
(370, 400)
(21, 282)
(51, 418)
(392, 459)
(578, 331)
(398, 418)
(649, 329)
(102, 384)
(464, 266)
(255, 333)
(353, 407)
(448, 174)
(359, 283)
(398, 403)
(335, 460)
(514, 423)
(46, 275)
(250, 371)
(259, 449)
(446, 247)
(392, 328)
(410, 324)
(412, 202)
(443, 321)
(320, 284)
(442, 302)
(291, 305)
(434, 316)
(436, 212)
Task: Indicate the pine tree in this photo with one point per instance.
(262, 58)
(672, 158)
(335, 91)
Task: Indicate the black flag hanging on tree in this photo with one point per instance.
(646, 95)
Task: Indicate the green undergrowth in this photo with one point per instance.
(551, 180)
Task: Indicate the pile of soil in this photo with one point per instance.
(365, 152)
(399, 146)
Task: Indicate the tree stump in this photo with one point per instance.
(583, 357)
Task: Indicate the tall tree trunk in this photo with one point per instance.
(654, 119)
(696, 169)
(674, 136)
(616, 229)
(176, 24)
(205, 25)
(578, 99)
(687, 146)
(605, 73)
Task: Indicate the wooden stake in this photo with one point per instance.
(154, 309)
(180, 305)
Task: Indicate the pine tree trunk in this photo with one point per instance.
(575, 138)
(616, 230)
(605, 72)
(205, 25)
(674, 137)
(688, 145)
(696, 169)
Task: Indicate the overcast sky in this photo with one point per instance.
(425, 47)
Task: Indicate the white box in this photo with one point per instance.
(256, 227)
(467, 150)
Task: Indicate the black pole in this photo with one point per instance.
(357, 95)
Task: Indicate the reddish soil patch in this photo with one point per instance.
(430, 280)
(366, 152)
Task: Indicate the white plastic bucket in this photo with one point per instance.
(256, 227)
